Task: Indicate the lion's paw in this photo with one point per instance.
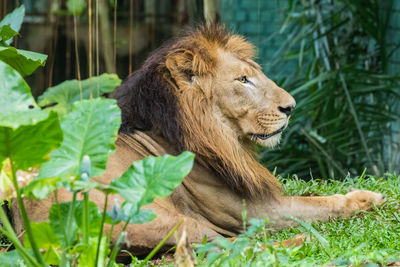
(363, 200)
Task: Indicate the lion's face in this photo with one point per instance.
(253, 105)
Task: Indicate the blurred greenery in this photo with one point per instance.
(346, 100)
(334, 60)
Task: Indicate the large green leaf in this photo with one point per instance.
(11, 22)
(29, 145)
(25, 62)
(152, 177)
(90, 129)
(88, 255)
(40, 188)
(17, 106)
(94, 217)
(6, 33)
(129, 212)
(68, 92)
(46, 240)
(11, 259)
(58, 215)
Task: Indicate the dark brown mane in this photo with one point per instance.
(148, 101)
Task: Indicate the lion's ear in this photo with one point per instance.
(185, 63)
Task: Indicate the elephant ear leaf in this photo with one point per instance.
(11, 24)
(90, 129)
(152, 177)
(62, 96)
(27, 133)
(25, 62)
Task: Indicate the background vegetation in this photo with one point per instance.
(335, 57)
(347, 113)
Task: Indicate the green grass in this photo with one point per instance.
(371, 238)
(367, 238)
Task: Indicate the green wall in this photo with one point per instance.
(260, 21)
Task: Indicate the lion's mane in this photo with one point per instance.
(154, 98)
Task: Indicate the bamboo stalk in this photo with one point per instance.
(103, 219)
(78, 70)
(90, 38)
(106, 37)
(130, 35)
(115, 36)
(97, 40)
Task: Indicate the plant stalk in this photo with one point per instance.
(71, 210)
(115, 249)
(9, 232)
(103, 219)
(162, 242)
(85, 218)
(21, 205)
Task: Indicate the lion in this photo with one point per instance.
(203, 92)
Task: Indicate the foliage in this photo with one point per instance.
(61, 96)
(79, 133)
(11, 24)
(25, 62)
(345, 97)
(366, 238)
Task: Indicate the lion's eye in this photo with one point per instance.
(243, 79)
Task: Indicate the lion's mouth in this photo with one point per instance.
(266, 136)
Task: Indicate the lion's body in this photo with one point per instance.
(204, 93)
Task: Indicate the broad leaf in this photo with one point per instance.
(25, 62)
(47, 242)
(94, 217)
(6, 33)
(88, 255)
(67, 93)
(11, 259)
(90, 129)
(12, 21)
(17, 106)
(152, 177)
(58, 221)
(143, 216)
(129, 212)
(29, 145)
(40, 188)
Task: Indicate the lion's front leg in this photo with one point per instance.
(322, 208)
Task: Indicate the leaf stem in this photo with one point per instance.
(162, 242)
(115, 249)
(103, 219)
(69, 224)
(110, 233)
(9, 232)
(85, 218)
(21, 205)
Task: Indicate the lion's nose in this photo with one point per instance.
(287, 110)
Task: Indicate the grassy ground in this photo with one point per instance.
(367, 239)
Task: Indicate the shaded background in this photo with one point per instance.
(340, 60)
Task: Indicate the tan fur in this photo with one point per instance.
(217, 115)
